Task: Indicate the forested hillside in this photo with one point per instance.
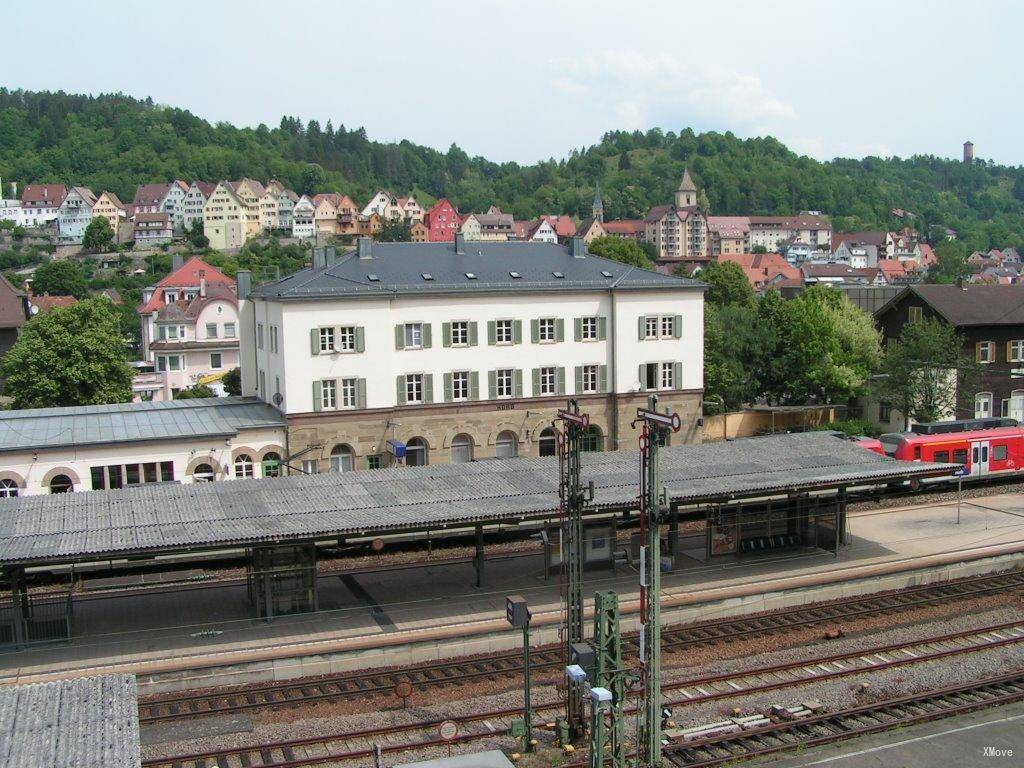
(116, 142)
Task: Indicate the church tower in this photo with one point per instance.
(598, 210)
(686, 195)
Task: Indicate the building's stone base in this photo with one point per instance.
(366, 432)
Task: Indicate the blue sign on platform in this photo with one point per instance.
(396, 448)
(961, 472)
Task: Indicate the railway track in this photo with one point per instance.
(420, 735)
(550, 658)
(780, 735)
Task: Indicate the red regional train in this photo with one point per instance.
(986, 447)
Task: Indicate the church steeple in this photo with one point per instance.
(686, 195)
(598, 209)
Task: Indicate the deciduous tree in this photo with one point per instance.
(60, 278)
(619, 249)
(98, 235)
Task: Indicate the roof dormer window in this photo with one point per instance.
(514, 275)
(426, 276)
(373, 278)
(558, 274)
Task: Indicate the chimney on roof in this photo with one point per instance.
(578, 248)
(177, 262)
(319, 258)
(243, 284)
(364, 248)
(460, 243)
(331, 255)
(202, 283)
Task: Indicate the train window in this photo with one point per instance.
(941, 457)
(917, 451)
(998, 453)
(960, 456)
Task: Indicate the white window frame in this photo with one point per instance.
(347, 338)
(504, 332)
(980, 398)
(590, 378)
(229, 331)
(460, 385)
(588, 328)
(666, 326)
(326, 336)
(504, 382)
(328, 394)
(1017, 351)
(220, 361)
(651, 325)
(666, 376)
(989, 348)
(547, 328)
(212, 326)
(547, 380)
(460, 333)
(414, 388)
(347, 395)
(413, 335)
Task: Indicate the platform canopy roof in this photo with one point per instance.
(172, 517)
(85, 722)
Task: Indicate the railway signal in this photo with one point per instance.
(517, 613)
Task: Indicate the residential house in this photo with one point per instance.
(40, 203)
(110, 207)
(173, 204)
(12, 211)
(384, 204)
(858, 255)
(153, 228)
(470, 228)
(269, 215)
(194, 201)
(189, 327)
(765, 270)
(990, 320)
(495, 225)
(772, 232)
(419, 232)
(626, 229)
(882, 241)
(589, 230)
(44, 304)
(564, 226)
(541, 231)
(410, 210)
(286, 200)
(679, 232)
(729, 234)
(895, 272)
(303, 219)
(225, 218)
(349, 221)
(442, 221)
(74, 214)
(149, 198)
(325, 216)
(250, 192)
(13, 314)
(841, 274)
(369, 226)
(409, 350)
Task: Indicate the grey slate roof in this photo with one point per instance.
(970, 304)
(74, 526)
(90, 722)
(399, 268)
(38, 428)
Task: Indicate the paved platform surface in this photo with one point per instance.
(991, 737)
(215, 622)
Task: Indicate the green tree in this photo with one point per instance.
(60, 278)
(397, 231)
(232, 381)
(734, 341)
(65, 357)
(98, 235)
(196, 236)
(619, 249)
(950, 263)
(728, 285)
(195, 391)
(920, 371)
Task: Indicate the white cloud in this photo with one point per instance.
(640, 88)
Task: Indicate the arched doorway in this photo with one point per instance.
(462, 449)
(548, 442)
(342, 458)
(61, 484)
(416, 453)
(593, 440)
(505, 445)
(271, 464)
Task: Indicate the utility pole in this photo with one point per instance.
(609, 738)
(655, 426)
(572, 497)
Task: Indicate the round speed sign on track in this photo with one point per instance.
(448, 730)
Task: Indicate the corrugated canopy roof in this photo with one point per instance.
(77, 526)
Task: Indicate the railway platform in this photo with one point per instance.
(205, 635)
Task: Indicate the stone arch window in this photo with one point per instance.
(548, 442)
(343, 458)
(244, 466)
(61, 484)
(203, 473)
(8, 488)
(593, 439)
(416, 453)
(462, 449)
(271, 464)
(505, 445)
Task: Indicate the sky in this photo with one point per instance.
(526, 81)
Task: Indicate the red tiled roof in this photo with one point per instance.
(624, 226)
(186, 277)
(927, 255)
(563, 225)
(43, 195)
(761, 268)
(206, 187)
(43, 304)
(892, 268)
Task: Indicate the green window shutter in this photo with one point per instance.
(472, 334)
(579, 379)
(602, 378)
(399, 336)
(400, 390)
(560, 380)
(317, 398)
(577, 325)
(642, 321)
(492, 384)
(492, 332)
(535, 331)
(314, 341)
(360, 393)
(517, 382)
(428, 387)
(426, 336)
(447, 387)
(474, 385)
(640, 377)
(446, 334)
(360, 339)
(559, 329)
(535, 379)
(677, 327)
(602, 328)
(677, 375)
(517, 331)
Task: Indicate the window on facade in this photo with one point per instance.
(203, 473)
(273, 338)
(347, 338)
(649, 379)
(229, 330)
(414, 387)
(271, 464)
(328, 393)
(259, 335)
(374, 461)
(547, 378)
(593, 440)
(460, 385)
(215, 360)
(546, 329)
(915, 314)
(505, 445)
(588, 329)
(460, 333)
(503, 382)
(651, 327)
(61, 484)
(1016, 351)
(667, 376)
(667, 326)
(884, 412)
(342, 458)
(413, 335)
(211, 330)
(503, 331)
(589, 378)
(310, 466)
(8, 488)
(548, 442)
(244, 465)
(982, 405)
(416, 452)
(462, 449)
(986, 352)
(326, 339)
(348, 393)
